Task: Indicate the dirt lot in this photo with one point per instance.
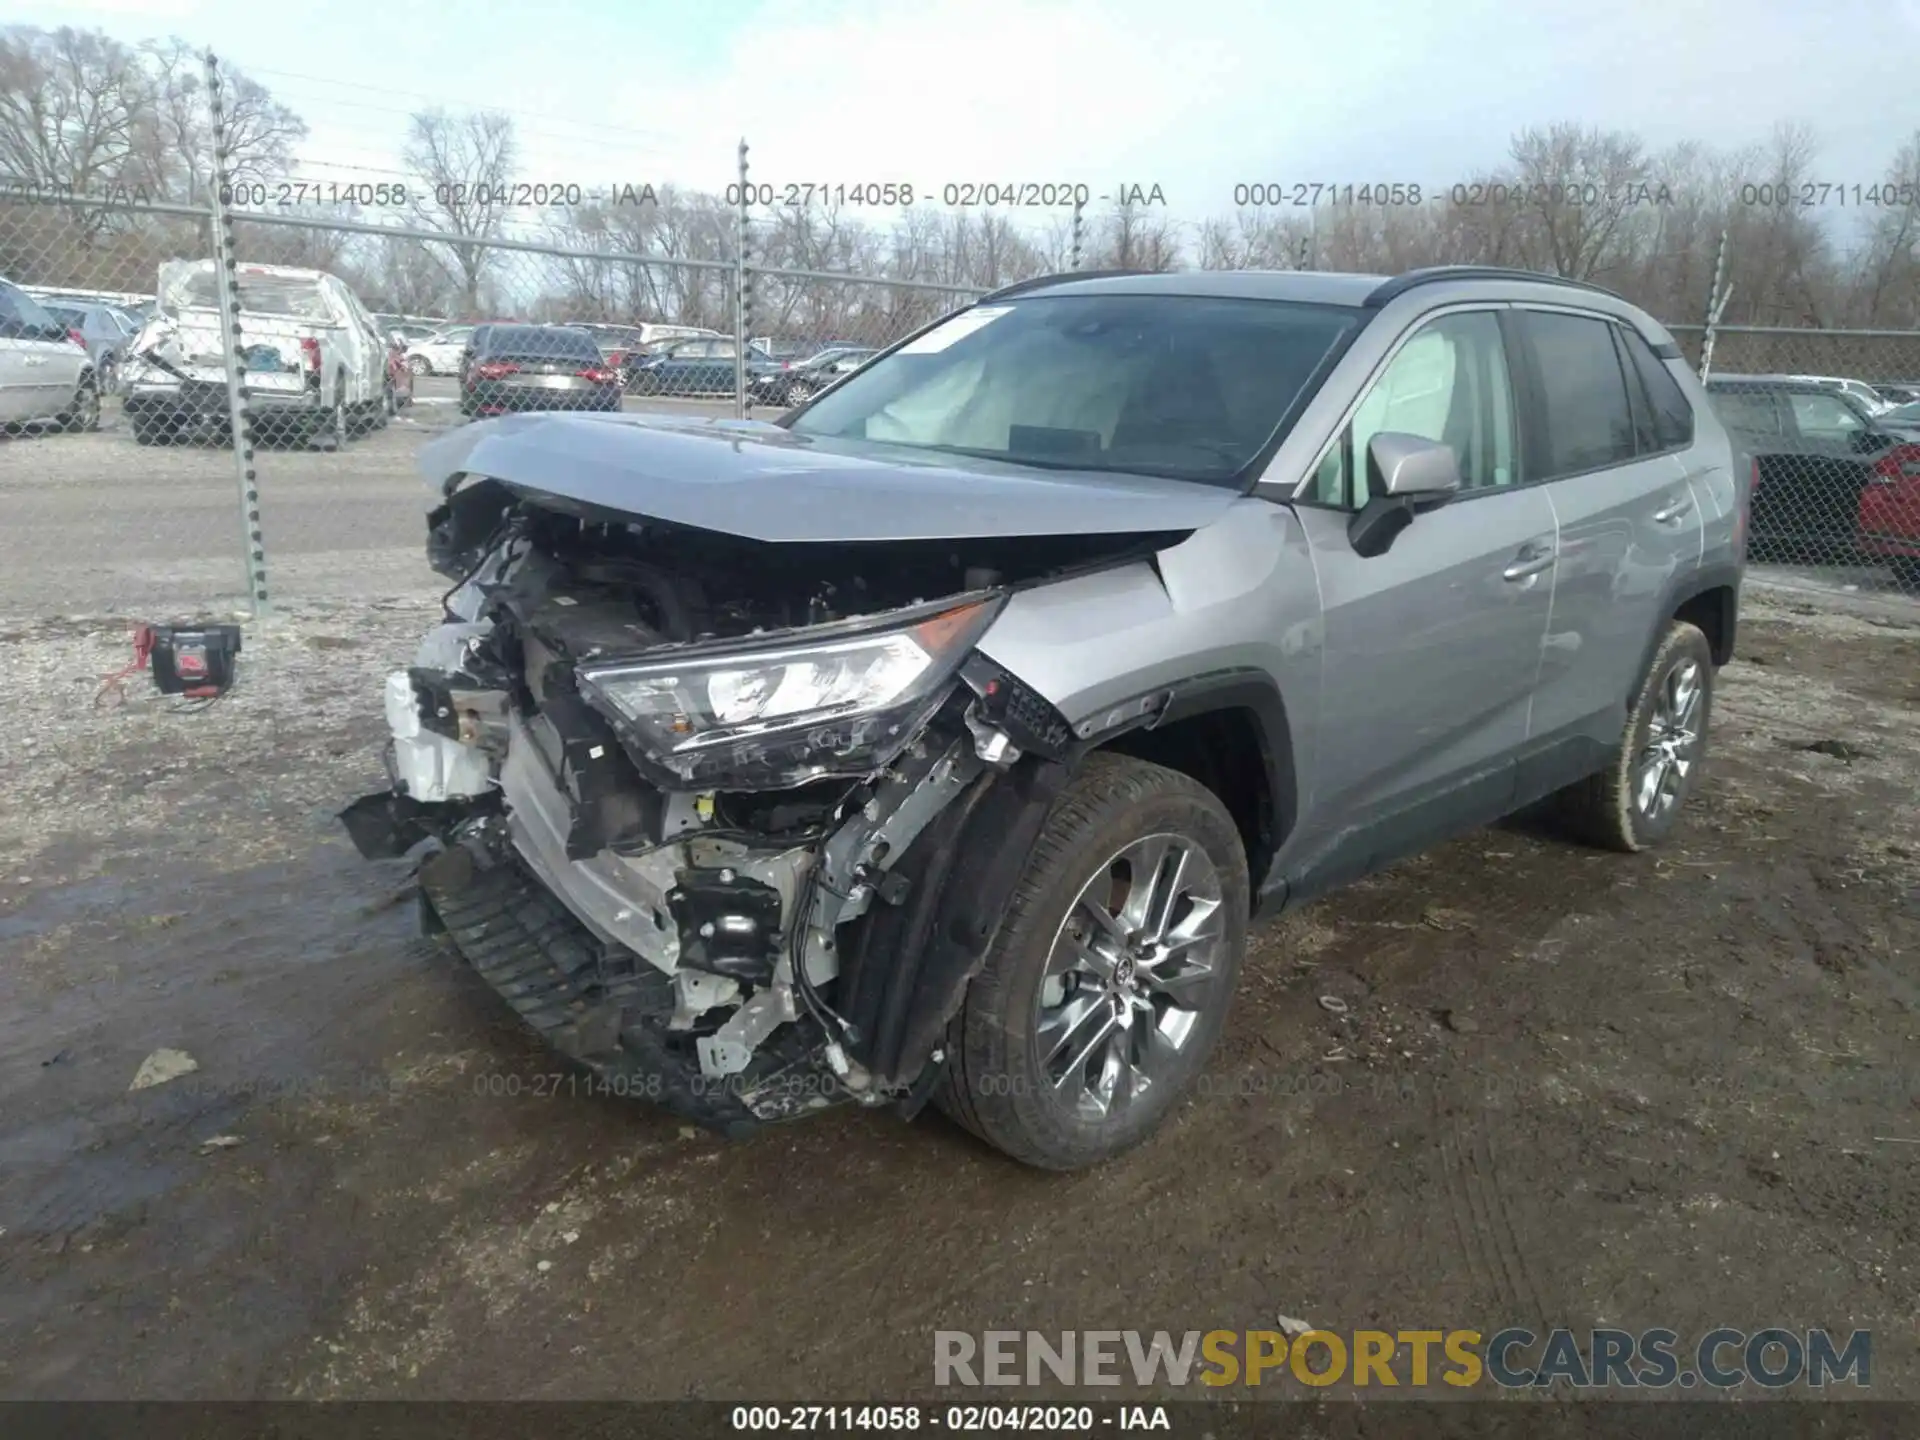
(1566, 1087)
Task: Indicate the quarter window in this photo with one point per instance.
(1671, 413)
(1585, 422)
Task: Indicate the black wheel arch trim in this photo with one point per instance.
(907, 967)
(1724, 576)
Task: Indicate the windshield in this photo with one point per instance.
(1183, 386)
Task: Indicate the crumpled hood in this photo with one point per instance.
(758, 481)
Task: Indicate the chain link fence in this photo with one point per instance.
(154, 495)
(1829, 423)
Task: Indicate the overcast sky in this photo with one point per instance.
(1194, 97)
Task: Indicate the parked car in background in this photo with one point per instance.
(693, 368)
(315, 361)
(1815, 451)
(104, 331)
(536, 367)
(408, 330)
(615, 341)
(944, 741)
(439, 353)
(1898, 394)
(798, 382)
(1868, 398)
(651, 334)
(1903, 420)
(45, 373)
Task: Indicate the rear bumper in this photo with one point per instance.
(181, 403)
(491, 398)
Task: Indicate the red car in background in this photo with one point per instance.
(1890, 514)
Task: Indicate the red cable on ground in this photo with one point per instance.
(116, 683)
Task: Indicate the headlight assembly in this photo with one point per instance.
(841, 702)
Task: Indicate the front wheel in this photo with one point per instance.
(799, 392)
(1635, 802)
(419, 365)
(1109, 981)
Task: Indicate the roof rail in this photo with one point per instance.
(1063, 278)
(1436, 274)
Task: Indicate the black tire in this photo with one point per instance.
(419, 365)
(800, 392)
(1607, 809)
(995, 1082)
(338, 426)
(145, 432)
(84, 413)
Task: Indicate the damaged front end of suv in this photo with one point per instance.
(729, 820)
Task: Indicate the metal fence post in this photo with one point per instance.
(1079, 229)
(1716, 304)
(742, 299)
(227, 286)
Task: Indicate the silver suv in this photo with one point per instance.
(941, 740)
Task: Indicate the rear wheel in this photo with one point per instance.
(337, 428)
(84, 412)
(1109, 982)
(1635, 802)
(799, 392)
(419, 365)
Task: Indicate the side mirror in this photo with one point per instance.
(1406, 474)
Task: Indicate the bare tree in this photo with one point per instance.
(464, 167)
(76, 113)
(261, 132)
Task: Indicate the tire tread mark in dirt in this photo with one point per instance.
(1480, 1214)
(1467, 1234)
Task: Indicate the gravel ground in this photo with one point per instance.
(1563, 1087)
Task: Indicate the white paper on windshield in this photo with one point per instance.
(956, 329)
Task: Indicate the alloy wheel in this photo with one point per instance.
(1666, 761)
(1132, 968)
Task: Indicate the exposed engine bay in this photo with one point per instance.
(747, 770)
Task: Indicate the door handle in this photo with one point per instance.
(1531, 560)
(1675, 512)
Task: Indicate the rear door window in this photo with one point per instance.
(1585, 420)
(1748, 412)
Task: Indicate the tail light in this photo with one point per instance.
(77, 338)
(494, 370)
(600, 376)
(1900, 463)
(786, 364)
(616, 357)
(310, 353)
